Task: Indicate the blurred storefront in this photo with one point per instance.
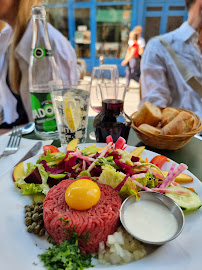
(101, 27)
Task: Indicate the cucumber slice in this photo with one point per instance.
(186, 202)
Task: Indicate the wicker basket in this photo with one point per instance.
(168, 142)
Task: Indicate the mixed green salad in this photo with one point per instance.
(113, 165)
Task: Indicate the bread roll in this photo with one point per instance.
(148, 114)
(149, 129)
(167, 115)
(181, 124)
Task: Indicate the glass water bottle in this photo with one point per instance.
(42, 70)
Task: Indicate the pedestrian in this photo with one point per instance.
(131, 60)
(140, 40)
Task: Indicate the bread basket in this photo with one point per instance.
(168, 142)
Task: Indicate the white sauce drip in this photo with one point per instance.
(150, 221)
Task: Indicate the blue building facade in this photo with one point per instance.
(101, 27)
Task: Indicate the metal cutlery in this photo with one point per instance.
(13, 143)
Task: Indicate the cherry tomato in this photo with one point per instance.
(52, 148)
(159, 160)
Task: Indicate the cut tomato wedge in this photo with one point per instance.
(52, 148)
(159, 160)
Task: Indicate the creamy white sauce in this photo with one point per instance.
(150, 221)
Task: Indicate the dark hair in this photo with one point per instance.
(189, 3)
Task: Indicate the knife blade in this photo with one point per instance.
(32, 152)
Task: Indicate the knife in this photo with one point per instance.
(32, 152)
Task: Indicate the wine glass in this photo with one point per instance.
(101, 74)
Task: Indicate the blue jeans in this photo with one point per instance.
(133, 71)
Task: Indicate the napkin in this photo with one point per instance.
(8, 162)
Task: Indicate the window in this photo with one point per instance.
(154, 8)
(174, 22)
(113, 24)
(152, 27)
(176, 8)
(82, 34)
(57, 16)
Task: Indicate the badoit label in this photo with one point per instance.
(43, 113)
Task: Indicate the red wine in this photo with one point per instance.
(96, 108)
(111, 121)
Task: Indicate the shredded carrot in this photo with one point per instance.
(146, 159)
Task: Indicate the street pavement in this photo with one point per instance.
(132, 98)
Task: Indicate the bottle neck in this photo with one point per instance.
(40, 33)
(43, 67)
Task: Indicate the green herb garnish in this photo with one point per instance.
(67, 256)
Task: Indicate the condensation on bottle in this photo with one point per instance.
(42, 70)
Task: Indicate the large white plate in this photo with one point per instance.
(19, 249)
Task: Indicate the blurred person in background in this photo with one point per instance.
(161, 81)
(140, 40)
(15, 47)
(131, 60)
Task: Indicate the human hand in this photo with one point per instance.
(124, 63)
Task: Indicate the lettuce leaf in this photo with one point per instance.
(106, 161)
(50, 157)
(127, 190)
(110, 176)
(28, 189)
(113, 178)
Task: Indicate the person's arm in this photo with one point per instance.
(141, 50)
(141, 44)
(128, 56)
(154, 84)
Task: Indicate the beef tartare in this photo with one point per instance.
(96, 223)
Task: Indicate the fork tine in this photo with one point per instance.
(10, 142)
(19, 137)
(15, 138)
(13, 143)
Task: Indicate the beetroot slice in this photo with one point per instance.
(34, 177)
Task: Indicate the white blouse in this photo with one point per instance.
(64, 55)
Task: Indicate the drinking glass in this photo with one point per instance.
(101, 74)
(71, 104)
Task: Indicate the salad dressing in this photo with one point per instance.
(150, 221)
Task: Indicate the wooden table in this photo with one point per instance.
(190, 154)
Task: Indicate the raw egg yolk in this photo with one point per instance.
(82, 194)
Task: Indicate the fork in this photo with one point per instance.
(13, 143)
